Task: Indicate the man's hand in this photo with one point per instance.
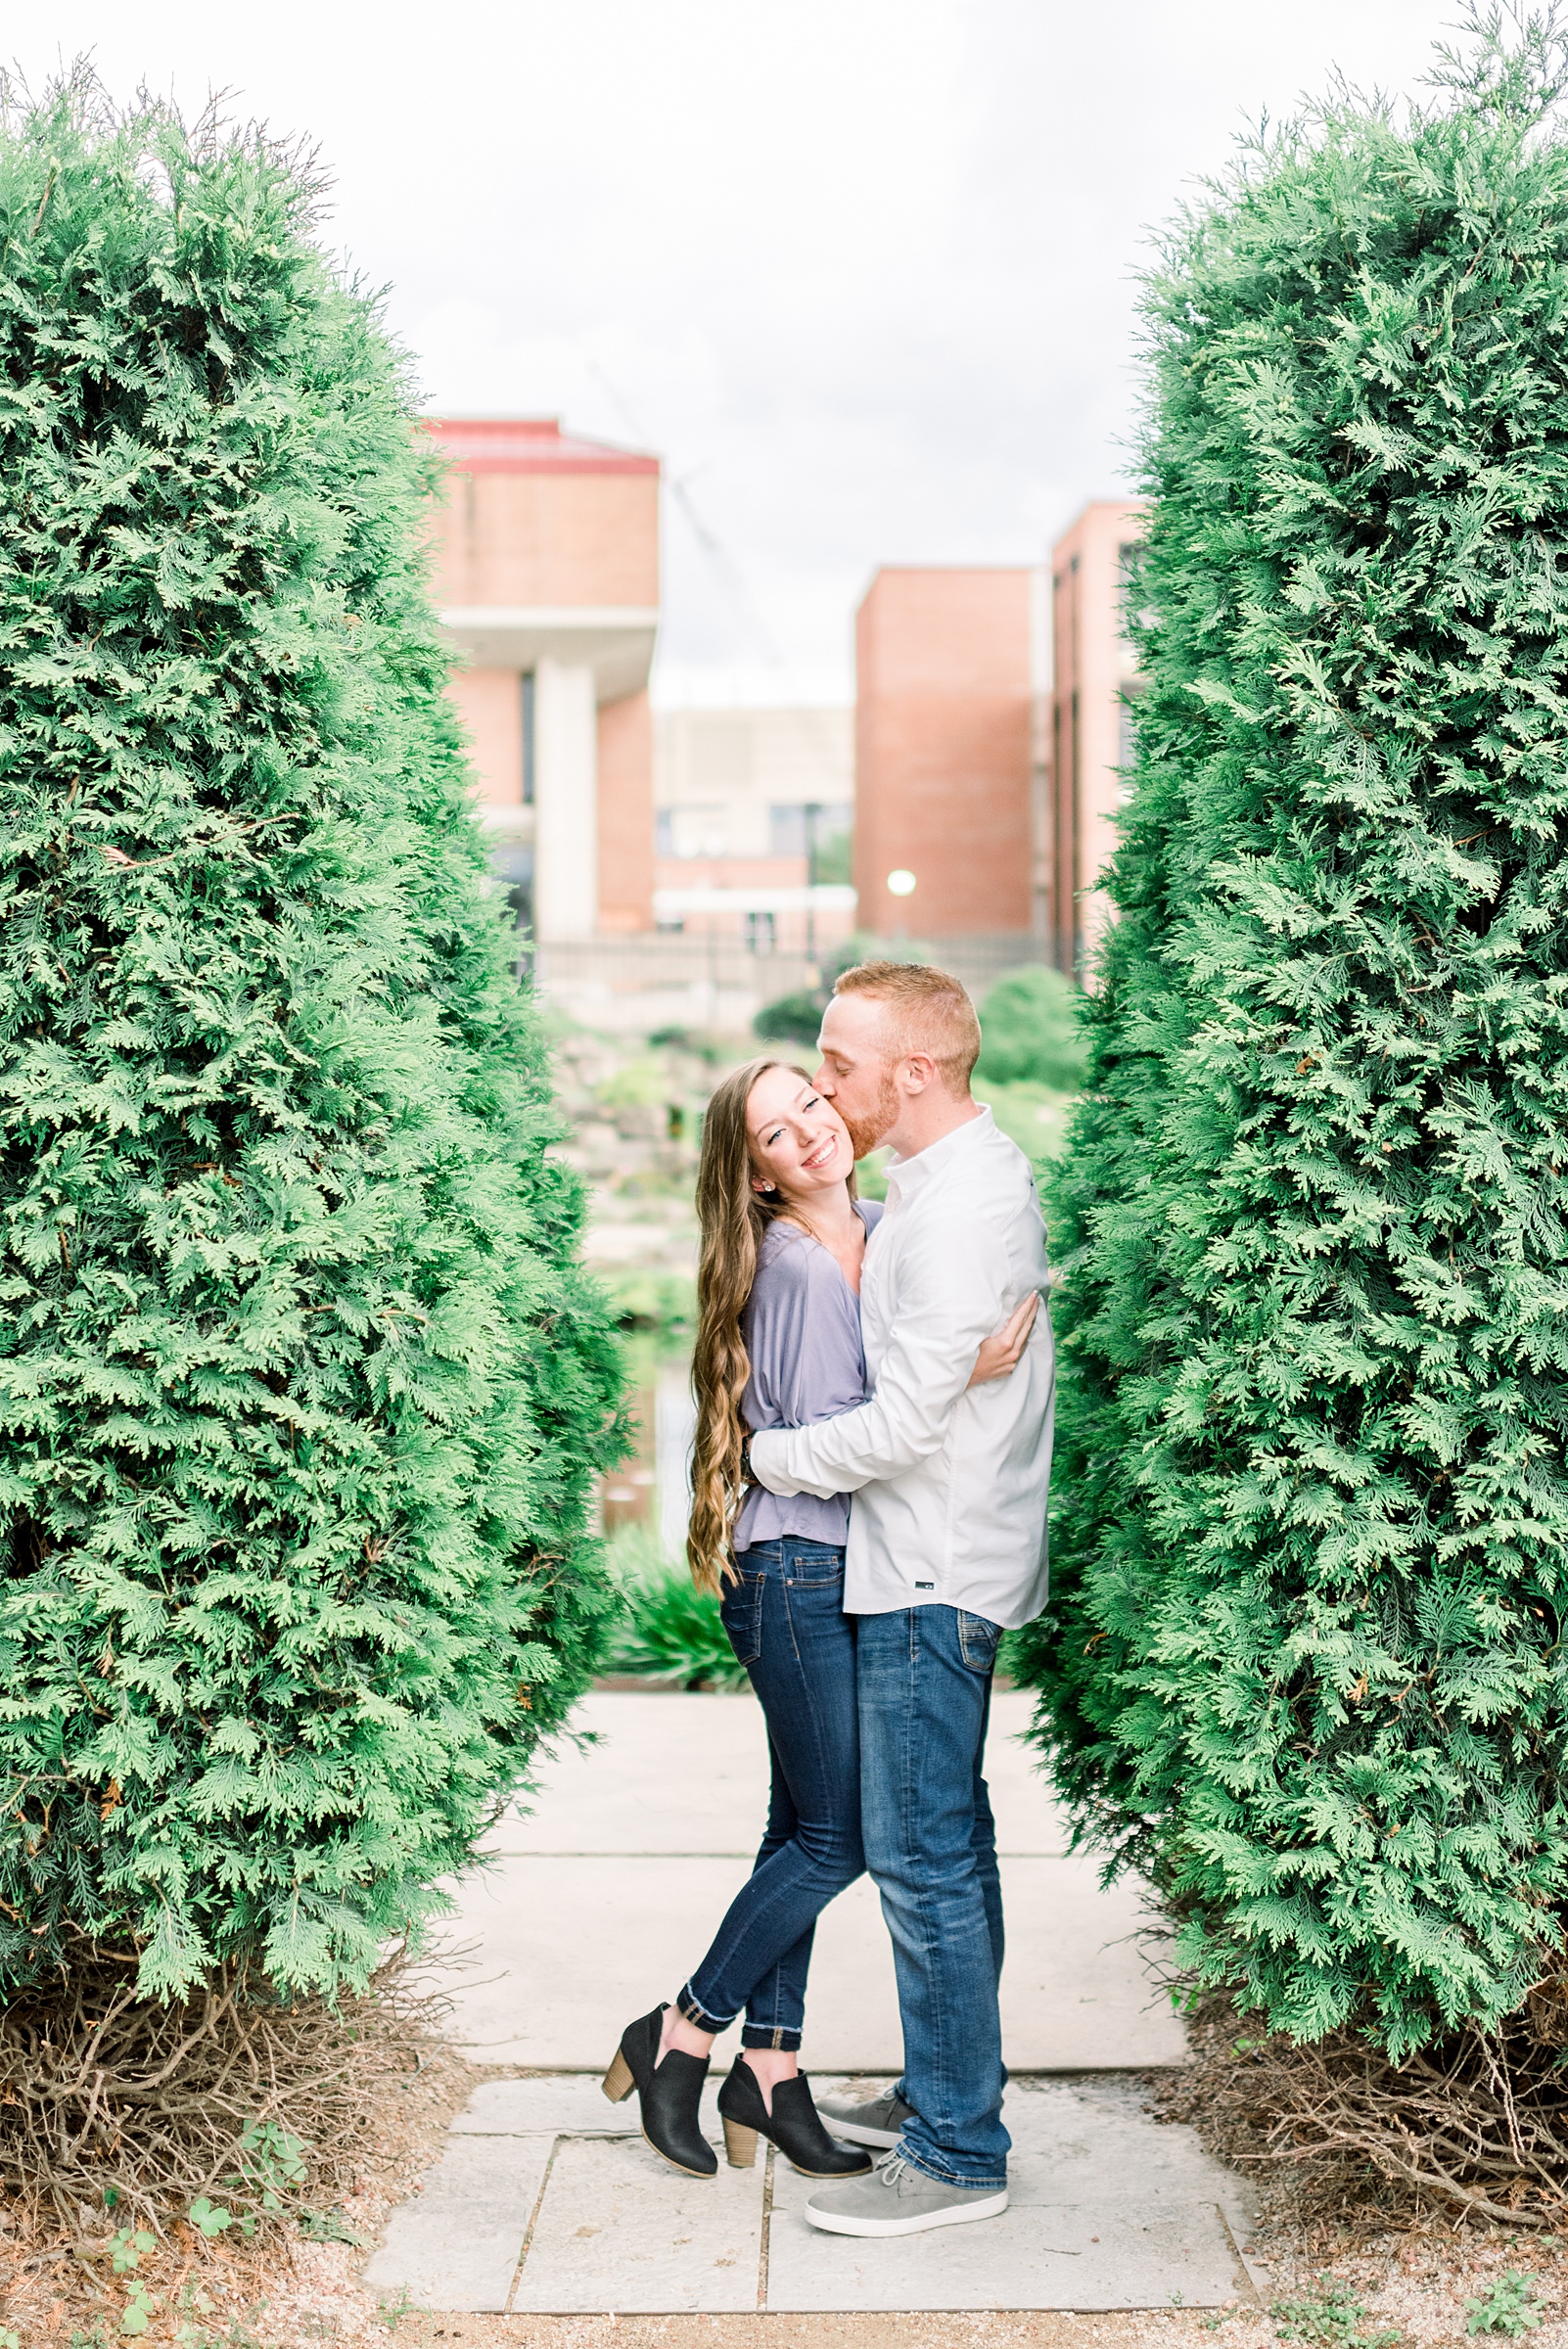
(1001, 1353)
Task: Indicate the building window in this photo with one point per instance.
(672, 928)
(692, 829)
(1128, 582)
(796, 829)
(761, 933)
(528, 738)
(516, 869)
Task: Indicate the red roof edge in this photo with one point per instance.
(527, 445)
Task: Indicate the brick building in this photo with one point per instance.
(949, 683)
(546, 559)
(753, 812)
(1095, 673)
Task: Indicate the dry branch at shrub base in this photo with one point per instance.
(120, 2111)
(1472, 2126)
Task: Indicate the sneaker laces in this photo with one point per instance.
(892, 2169)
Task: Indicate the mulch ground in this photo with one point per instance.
(1346, 2282)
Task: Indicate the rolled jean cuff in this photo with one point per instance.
(758, 2035)
(695, 2013)
(941, 2177)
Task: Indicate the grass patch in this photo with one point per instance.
(645, 1300)
(669, 1631)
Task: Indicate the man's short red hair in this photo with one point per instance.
(928, 1011)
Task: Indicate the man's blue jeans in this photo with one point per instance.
(924, 1680)
(786, 1623)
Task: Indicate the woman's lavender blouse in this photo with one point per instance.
(802, 1326)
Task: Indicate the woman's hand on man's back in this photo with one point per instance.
(1001, 1353)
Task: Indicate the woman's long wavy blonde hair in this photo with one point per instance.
(733, 1220)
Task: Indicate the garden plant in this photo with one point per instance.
(301, 1389)
(1302, 1662)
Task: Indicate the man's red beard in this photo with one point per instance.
(866, 1131)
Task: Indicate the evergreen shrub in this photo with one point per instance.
(300, 1387)
(1304, 1659)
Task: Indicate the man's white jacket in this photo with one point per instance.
(950, 1481)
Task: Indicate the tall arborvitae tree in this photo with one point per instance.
(1304, 1657)
(300, 1391)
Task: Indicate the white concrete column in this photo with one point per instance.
(565, 791)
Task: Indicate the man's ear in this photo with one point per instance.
(918, 1070)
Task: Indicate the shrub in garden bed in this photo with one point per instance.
(301, 1390)
(1030, 1033)
(669, 1631)
(1303, 1660)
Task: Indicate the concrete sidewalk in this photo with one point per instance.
(539, 2207)
(598, 1903)
(601, 1902)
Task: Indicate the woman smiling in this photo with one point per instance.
(778, 1345)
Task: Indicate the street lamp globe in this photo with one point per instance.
(900, 884)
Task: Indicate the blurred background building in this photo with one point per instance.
(546, 575)
(754, 814)
(684, 866)
(1095, 680)
(951, 670)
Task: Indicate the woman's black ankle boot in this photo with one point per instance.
(794, 2126)
(667, 2093)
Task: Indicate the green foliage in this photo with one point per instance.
(669, 1631)
(636, 1085)
(330, 2227)
(1512, 2305)
(791, 1019)
(272, 2163)
(835, 859)
(128, 2248)
(1303, 1659)
(1331, 2317)
(642, 1299)
(1030, 1031)
(301, 1389)
(141, 2306)
(794, 1019)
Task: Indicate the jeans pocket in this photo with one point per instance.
(815, 1566)
(741, 1613)
(976, 1641)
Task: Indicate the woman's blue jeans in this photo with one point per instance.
(786, 1623)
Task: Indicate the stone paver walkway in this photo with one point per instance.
(539, 2206)
(545, 2198)
(601, 1901)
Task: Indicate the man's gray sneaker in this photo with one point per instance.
(899, 2200)
(879, 2123)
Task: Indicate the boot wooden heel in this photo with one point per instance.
(618, 2082)
(791, 2123)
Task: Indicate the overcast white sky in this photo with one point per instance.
(861, 271)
